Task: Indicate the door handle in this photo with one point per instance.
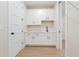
(12, 33)
(59, 31)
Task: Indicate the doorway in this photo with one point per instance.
(44, 37)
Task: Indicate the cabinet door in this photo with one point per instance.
(51, 38)
(47, 39)
(43, 40)
(36, 38)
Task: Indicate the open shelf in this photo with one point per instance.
(47, 20)
(41, 27)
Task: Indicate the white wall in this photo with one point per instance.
(3, 29)
(72, 30)
(34, 16)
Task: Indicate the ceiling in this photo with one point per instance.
(39, 4)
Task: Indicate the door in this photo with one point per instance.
(72, 29)
(15, 29)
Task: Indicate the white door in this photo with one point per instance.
(15, 30)
(15, 37)
(72, 29)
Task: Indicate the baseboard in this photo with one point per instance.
(35, 45)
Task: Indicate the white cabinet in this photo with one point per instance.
(40, 38)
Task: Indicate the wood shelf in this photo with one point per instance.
(34, 25)
(47, 20)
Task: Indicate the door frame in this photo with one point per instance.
(59, 27)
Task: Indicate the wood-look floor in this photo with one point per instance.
(41, 52)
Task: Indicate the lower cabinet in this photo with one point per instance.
(40, 38)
